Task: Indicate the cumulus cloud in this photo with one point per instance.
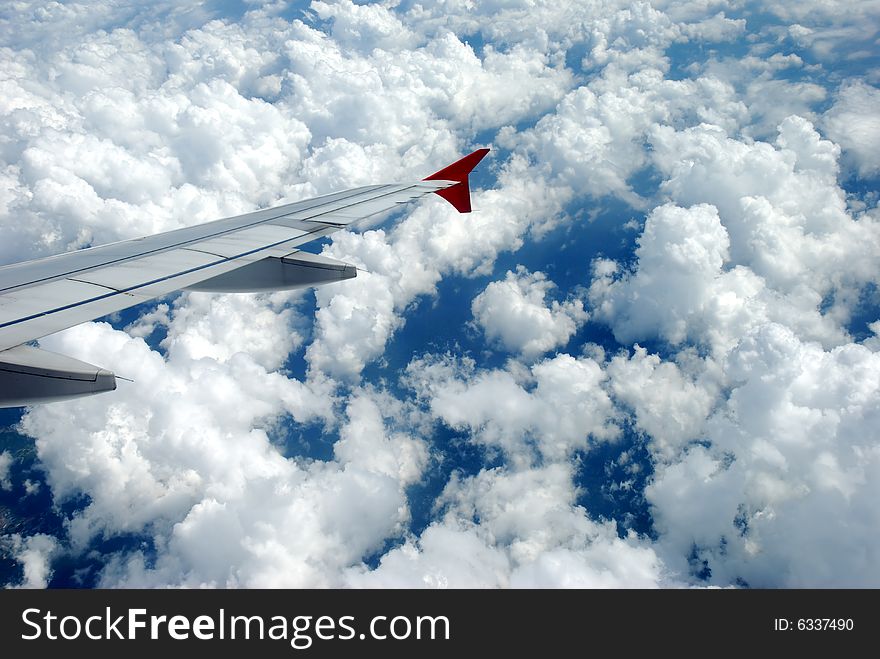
(236, 395)
(192, 470)
(34, 553)
(852, 122)
(670, 401)
(784, 493)
(832, 30)
(263, 327)
(681, 252)
(530, 534)
(763, 242)
(548, 411)
(5, 464)
(514, 313)
(743, 271)
(133, 155)
(716, 28)
(594, 141)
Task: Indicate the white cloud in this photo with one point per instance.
(364, 444)
(743, 271)
(594, 141)
(365, 27)
(5, 465)
(681, 252)
(200, 474)
(116, 442)
(263, 327)
(685, 289)
(101, 154)
(34, 553)
(821, 10)
(767, 248)
(716, 28)
(761, 84)
(782, 207)
(556, 407)
(852, 122)
(514, 312)
(783, 495)
(530, 533)
(670, 404)
(148, 322)
(873, 342)
(831, 29)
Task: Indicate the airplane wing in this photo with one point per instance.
(256, 251)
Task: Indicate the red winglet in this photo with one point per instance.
(458, 195)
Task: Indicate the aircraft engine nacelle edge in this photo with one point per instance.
(298, 270)
(30, 375)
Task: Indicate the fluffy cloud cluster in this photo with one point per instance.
(775, 424)
(546, 412)
(514, 313)
(784, 494)
(669, 400)
(193, 473)
(530, 534)
(765, 236)
(734, 358)
(680, 252)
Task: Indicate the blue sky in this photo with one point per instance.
(649, 358)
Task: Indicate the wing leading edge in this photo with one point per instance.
(256, 251)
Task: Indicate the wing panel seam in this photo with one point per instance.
(92, 283)
(202, 251)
